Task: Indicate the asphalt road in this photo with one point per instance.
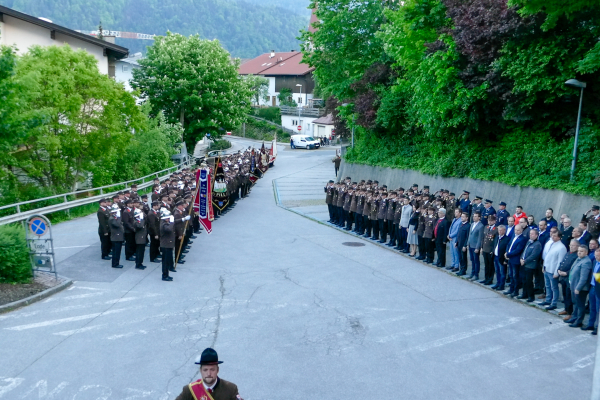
(292, 311)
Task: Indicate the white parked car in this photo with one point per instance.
(304, 142)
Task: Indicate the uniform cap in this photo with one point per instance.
(466, 192)
(425, 187)
(595, 208)
(503, 203)
(155, 203)
(478, 197)
(451, 194)
(488, 201)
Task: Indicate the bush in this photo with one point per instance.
(272, 114)
(261, 130)
(15, 266)
(220, 144)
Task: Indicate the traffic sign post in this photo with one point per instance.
(41, 244)
(299, 128)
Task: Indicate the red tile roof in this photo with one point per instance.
(285, 63)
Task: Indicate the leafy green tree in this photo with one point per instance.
(86, 116)
(285, 98)
(195, 82)
(259, 86)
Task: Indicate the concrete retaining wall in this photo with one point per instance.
(534, 201)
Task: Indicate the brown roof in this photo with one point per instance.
(283, 63)
(313, 18)
(324, 120)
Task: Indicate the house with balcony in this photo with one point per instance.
(23, 31)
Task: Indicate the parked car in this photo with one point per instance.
(304, 142)
(216, 153)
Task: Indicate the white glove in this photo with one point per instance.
(142, 217)
(171, 219)
(187, 218)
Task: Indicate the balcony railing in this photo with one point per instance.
(304, 111)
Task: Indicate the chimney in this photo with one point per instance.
(272, 54)
(109, 39)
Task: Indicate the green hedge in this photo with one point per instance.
(261, 130)
(272, 114)
(517, 158)
(15, 266)
(220, 144)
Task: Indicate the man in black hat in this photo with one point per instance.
(465, 203)
(502, 215)
(210, 386)
(127, 218)
(477, 206)
(593, 221)
(487, 211)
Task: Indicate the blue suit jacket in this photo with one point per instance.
(585, 238)
(517, 248)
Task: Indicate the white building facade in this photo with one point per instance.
(23, 31)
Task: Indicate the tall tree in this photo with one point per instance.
(259, 87)
(195, 82)
(86, 115)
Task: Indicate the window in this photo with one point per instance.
(125, 67)
(299, 100)
(268, 98)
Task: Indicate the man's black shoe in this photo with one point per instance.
(193, 236)
(181, 262)
(521, 297)
(155, 261)
(118, 266)
(106, 258)
(172, 270)
(531, 299)
(507, 292)
(167, 279)
(140, 267)
(131, 259)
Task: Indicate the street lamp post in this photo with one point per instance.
(574, 83)
(346, 104)
(300, 100)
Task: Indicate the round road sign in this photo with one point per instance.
(38, 226)
(299, 128)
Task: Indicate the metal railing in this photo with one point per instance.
(304, 111)
(68, 204)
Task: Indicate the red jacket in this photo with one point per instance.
(517, 219)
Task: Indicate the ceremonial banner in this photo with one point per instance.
(220, 196)
(199, 391)
(273, 152)
(203, 202)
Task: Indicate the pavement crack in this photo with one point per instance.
(218, 322)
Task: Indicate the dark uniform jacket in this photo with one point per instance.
(430, 221)
(347, 201)
(421, 225)
(502, 217)
(374, 207)
(392, 204)
(567, 236)
(223, 390)
(127, 217)
(179, 222)
(450, 207)
(167, 234)
(489, 238)
(116, 229)
(153, 223)
(103, 215)
(593, 225)
(140, 230)
(382, 209)
(485, 213)
(477, 208)
(360, 203)
(329, 198)
(354, 201)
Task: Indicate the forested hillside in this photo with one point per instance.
(246, 29)
(471, 88)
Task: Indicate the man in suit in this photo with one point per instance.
(594, 295)
(441, 238)
(502, 215)
(462, 242)
(209, 384)
(563, 278)
(513, 255)
(465, 204)
(103, 215)
(529, 263)
(487, 250)
(501, 241)
(116, 235)
(585, 235)
(167, 244)
(453, 237)
(552, 255)
(578, 235)
(475, 241)
(510, 228)
(579, 281)
(567, 231)
(329, 189)
(543, 238)
(127, 218)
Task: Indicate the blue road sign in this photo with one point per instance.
(38, 226)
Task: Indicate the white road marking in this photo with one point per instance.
(80, 330)
(64, 320)
(124, 335)
(470, 356)
(582, 363)
(546, 350)
(17, 314)
(13, 383)
(463, 335)
(423, 329)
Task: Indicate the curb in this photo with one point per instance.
(522, 302)
(35, 298)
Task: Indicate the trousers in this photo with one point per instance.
(441, 254)
(488, 261)
(514, 271)
(528, 283)
(105, 244)
(579, 312)
(475, 262)
(594, 306)
(552, 293)
(116, 256)
(382, 230)
(129, 244)
(140, 249)
(167, 260)
(154, 248)
(500, 272)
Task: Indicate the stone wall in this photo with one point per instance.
(534, 201)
